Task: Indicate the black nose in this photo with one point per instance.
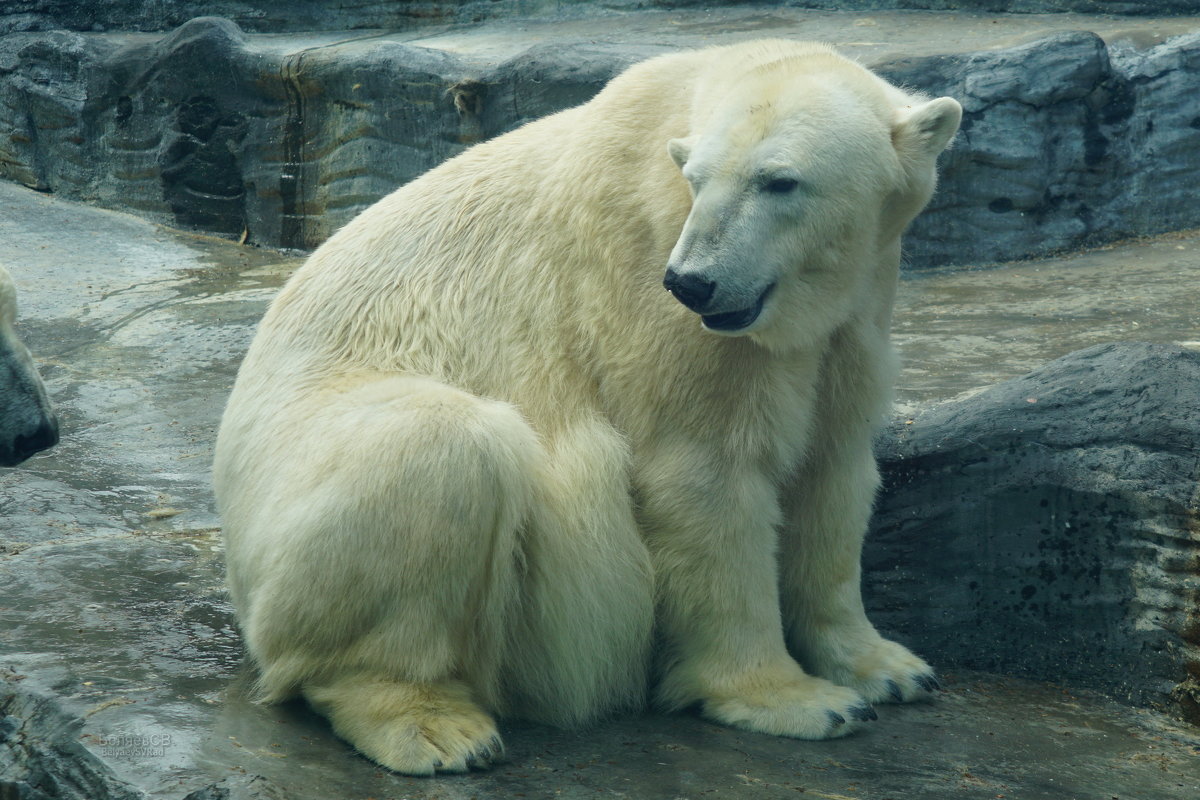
(691, 290)
(46, 436)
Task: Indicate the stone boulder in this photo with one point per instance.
(41, 757)
(1047, 526)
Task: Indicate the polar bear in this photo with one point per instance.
(28, 424)
(477, 462)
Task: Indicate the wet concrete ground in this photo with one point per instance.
(110, 558)
(871, 36)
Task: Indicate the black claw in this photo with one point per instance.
(836, 718)
(928, 683)
(495, 750)
(894, 691)
(437, 764)
(863, 713)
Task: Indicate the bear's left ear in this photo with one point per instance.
(926, 128)
(681, 149)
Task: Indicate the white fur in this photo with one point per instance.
(476, 453)
(27, 421)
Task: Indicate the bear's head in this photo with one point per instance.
(804, 172)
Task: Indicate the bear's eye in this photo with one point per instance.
(780, 185)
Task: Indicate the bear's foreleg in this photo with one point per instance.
(827, 507)
(711, 527)
(820, 557)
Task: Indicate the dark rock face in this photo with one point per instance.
(202, 131)
(41, 757)
(1048, 526)
(1066, 141)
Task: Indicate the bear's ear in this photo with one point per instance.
(926, 128)
(681, 149)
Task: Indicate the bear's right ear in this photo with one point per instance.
(681, 149)
(926, 128)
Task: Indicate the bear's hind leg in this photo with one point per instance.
(377, 568)
(581, 646)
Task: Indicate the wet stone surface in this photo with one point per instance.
(120, 666)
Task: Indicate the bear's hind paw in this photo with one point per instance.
(442, 743)
(414, 729)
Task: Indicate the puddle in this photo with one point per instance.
(959, 330)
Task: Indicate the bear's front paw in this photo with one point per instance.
(884, 672)
(802, 707)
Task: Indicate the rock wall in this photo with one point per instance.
(1048, 526)
(267, 16)
(1067, 141)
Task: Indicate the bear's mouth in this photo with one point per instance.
(737, 320)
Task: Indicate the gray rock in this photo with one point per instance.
(41, 757)
(1067, 141)
(1046, 527)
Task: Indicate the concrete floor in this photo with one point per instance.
(110, 556)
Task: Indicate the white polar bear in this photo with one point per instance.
(28, 424)
(476, 455)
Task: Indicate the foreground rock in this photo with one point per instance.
(1049, 526)
(1086, 134)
